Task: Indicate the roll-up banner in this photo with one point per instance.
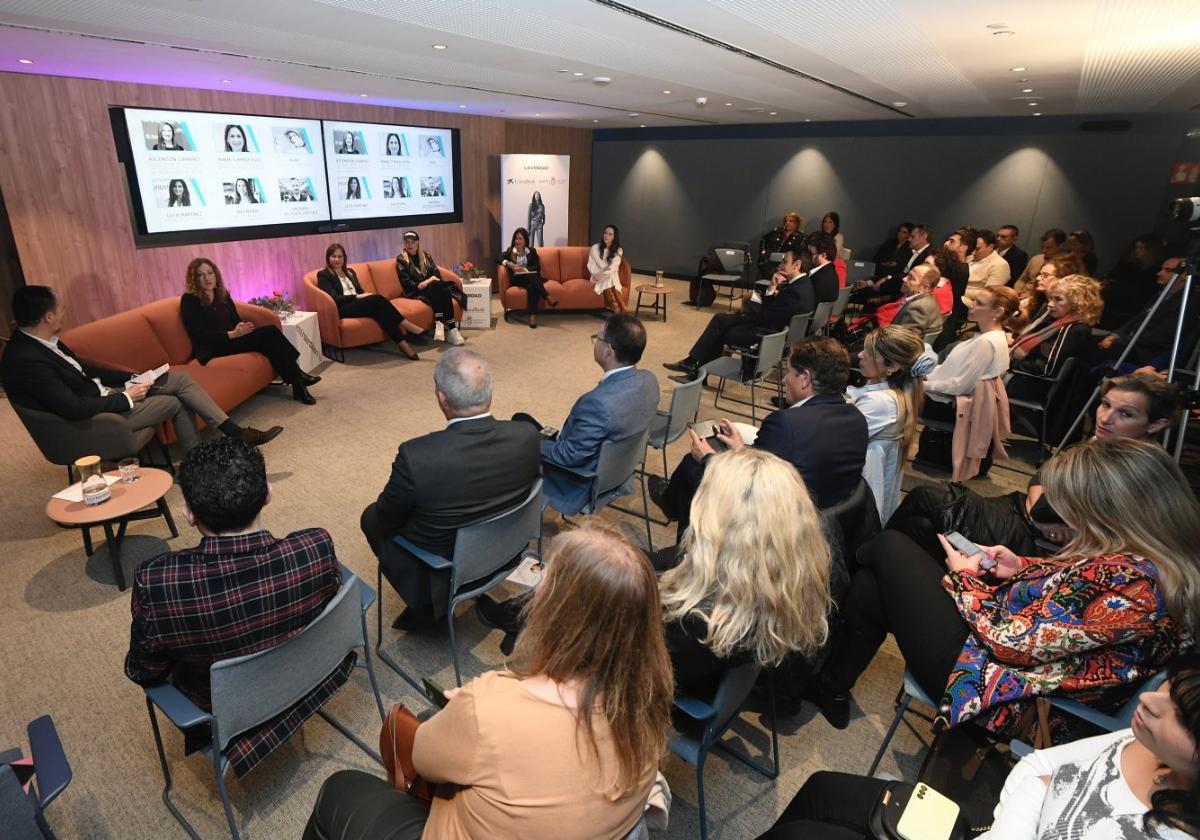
(533, 194)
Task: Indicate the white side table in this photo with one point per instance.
(478, 314)
(303, 331)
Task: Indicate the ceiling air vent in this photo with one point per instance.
(1106, 125)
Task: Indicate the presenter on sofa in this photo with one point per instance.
(211, 319)
(340, 282)
(524, 270)
(418, 273)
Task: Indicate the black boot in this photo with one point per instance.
(300, 394)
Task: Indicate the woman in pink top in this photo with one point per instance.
(563, 745)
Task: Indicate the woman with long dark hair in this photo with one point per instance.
(177, 193)
(235, 138)
(166, 139)
(243, 193)
(831, 223)
(340, 282)
(604, 263)
(398, 190)
(353, 189)
(524, 270)
(393, 148)
(537, 220)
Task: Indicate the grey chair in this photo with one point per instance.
(839, 305)
(702, 724)
(249, 690)
(485, 553)
(23, 813)
(820, 317)
(736, 269)
(766, 358)
(668, 426)
(63, 442)
(1043, 407)
(620, 461)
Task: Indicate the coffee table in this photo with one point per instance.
(659, 295)
(126, 504)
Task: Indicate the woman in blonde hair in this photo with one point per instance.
(1073, 307)
(565, 744)
(987, 633)
(422, 280)
(893, 361)
(754, 579)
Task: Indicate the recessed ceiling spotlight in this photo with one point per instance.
(462, 106)
(643, 125)
(728, 104)
(363, 95)
(537, 115)
(595, 121)
(562, 70)
(808, 120)
(774, 113)
(227, 81)
(439, 46)
(1004, 32)
(1036, 114)
(577, 73)
(1026, 90)
(1016, 69)
(997, 26)
(899, 104)
(601, 80)
(1031, 104)
(24, 61)
(667, 92)
(634, 114)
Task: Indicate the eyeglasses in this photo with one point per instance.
(596, 337)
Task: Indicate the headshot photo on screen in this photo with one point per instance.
(294, 189)
(173, 193)
(395, 187)
(289, 141)
(353, 189)
(162, 137)
(393, 145)
(235, 139)
(346, 143)
(240, 191)
(432, 186)
(431, 146)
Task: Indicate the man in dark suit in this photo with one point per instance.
(823, 276)
(790, 293)
(1006, 246)
(41, 373)
(474, 468)
(240, 591)
(1154, 345)
(883, 289)
(821, 434)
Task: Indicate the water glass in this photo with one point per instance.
(129, 470)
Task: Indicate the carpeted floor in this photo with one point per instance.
(66, 627)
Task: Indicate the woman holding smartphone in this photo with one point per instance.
(524, 269)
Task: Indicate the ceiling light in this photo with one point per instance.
(1037, 113)
(537, 115)
(363, 95)
(562, 70)
(1026, 90)
(774, 113)
(1016, 69)
(634, 114)
(24, 61)
(462, 106)
(808, 120)
(601, 80)
(577, 73)
(667, 92)
(643, 125)
(899, 104)
(439, 46)
(227, 81)
(728, 104)
(1031, 104)
(595, 121)
(1004, 32)
(997, 26)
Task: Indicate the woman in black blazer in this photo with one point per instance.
(419, 275)
(524, 270)
(211, 319)
(340, 282)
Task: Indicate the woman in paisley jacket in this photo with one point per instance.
(986, 633)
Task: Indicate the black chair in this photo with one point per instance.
(737, 271)
(858, 517)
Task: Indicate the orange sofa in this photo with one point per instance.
(379, 277)
(151, 335)
(567, 280)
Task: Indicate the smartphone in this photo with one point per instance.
(434, 693)
(968, 548)
(549, 432)
(708, 430)
(927, 815)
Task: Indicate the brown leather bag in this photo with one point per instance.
(396, 740)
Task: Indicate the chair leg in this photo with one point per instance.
(371, 669)
(774, 721)
(166, 771)
(646, 513)
(229, 817)
(453, 645)
(700, 796)
(379, 652)
(753, 403)
(666, 474)
(887, 739)
(340, 727)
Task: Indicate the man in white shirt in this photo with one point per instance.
(41, 373)
(987, 267)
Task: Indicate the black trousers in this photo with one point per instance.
(897, 590)
(354, 805)
(830, 806)
(377, 308)
(535, 289)
(725, 328)
(681, 487)
(270, 342)
(421, 587)
(441, 300)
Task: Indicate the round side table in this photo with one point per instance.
(659, 299)
(125, 504)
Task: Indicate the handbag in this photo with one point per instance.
(396, 739)
(885, 816)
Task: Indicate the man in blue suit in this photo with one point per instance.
(622, 405)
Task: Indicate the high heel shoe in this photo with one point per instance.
(300, 394)
(309, 379)
(408, 352)
(533, 322)
(553, 303)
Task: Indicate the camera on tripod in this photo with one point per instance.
(1186, 210)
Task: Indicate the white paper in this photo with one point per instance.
(149, 376)
(74, 493)
(749, 433)
(528, 572)
(755, 297)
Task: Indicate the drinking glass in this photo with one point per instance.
(129, 470)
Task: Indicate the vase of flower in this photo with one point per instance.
(278, 302)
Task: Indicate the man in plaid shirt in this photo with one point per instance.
(241, 590)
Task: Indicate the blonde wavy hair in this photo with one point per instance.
(1083, 293)
(901, 346)
(191, 280)
(1127, 496)
(755, 564)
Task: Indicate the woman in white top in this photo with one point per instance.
(1138, 782)
(893, 360)
(603, 264)
(984, 356)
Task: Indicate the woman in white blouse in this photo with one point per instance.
(893, 361)
(1138, 782)
(340, 282)
(984, 356)
(603, 264)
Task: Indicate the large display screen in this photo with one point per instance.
(379, 171)
(196, 171)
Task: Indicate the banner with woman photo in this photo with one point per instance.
(534, 192)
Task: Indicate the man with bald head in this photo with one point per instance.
(474, 468)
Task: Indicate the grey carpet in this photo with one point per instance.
(65, 627)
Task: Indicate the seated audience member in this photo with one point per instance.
(563, 744)
(893, 360)
(986, 267)
(1033, 313)
(604, 262)
(790, 293)
(960, 243)
(831, 225)
(786, 237)
(1131, 284)
(1154, 344)
(621, 406)
(239, 591)
(419, 275)
(1072, 308)
(1112, 608)
(823, 277)
(424, 504)
(340, 282)
(41, 373)
(982, 356)
(754, 576)
(888, 284)
(1139, 406)
(524, 271)
(918, 308)
(211, 320)
(1050, 244)
(894, 252)
(820, 435)
(1006, 246)
(1082, 245)
(1136, 782)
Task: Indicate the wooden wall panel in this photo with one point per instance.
(67, 198)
